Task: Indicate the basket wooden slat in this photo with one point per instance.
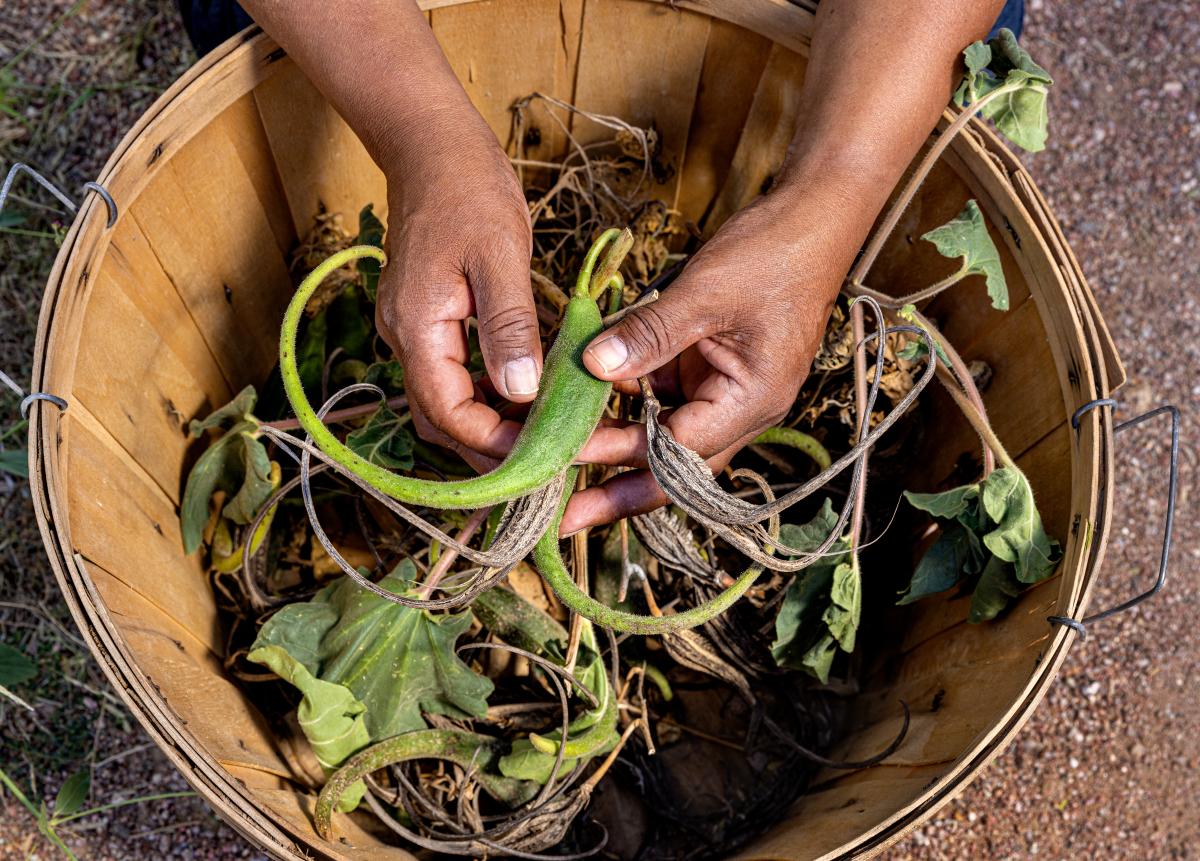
(479, 41)
(147, 325)
(765, 135)
(734, 61)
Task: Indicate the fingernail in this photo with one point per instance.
(520, 376)
(610, 353)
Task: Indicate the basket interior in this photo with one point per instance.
(180, 312)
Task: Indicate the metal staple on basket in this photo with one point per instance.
(28, 400)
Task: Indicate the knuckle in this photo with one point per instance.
(509, 327)
(648, 333)
(434, 427)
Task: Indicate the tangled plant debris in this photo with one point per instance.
(470, 702)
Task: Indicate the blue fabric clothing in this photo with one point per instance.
(1012, 16)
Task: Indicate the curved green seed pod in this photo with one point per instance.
(561, 419)
(798, 440)
(588, 742)
(549, 562)
(463, 748)
(596, 730)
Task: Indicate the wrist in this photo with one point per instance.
(444, 157)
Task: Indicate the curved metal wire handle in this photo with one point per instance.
(1168, 522)
(72, 207)
(27, 401)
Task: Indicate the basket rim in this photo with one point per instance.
(87, 240)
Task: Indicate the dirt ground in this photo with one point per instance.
(1108, 766)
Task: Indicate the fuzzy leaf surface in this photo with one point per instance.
(398, 661)
(383, 440)
(370, 232)
(966, 237)
(236, 463)
(1019, 536)
(1020, 115)
(236, 411)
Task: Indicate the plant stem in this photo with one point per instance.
(875, 246)
(438, 571)
(14, 430)
(599, 773)
(160, 797)
(961, 377)
(579, 558)
(980, 423)
(12, 787)
(927, 293)
(858, 333)
(397, 403)
(553, 293)
(48, 831)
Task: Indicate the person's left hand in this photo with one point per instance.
(732, 338)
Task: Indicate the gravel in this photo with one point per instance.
(1110, 762)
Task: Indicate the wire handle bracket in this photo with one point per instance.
(1080, 625)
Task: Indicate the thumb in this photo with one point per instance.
(508, 326)
(649, 337)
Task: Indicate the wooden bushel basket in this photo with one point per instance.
(166, 314)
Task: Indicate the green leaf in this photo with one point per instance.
(15, 461)
(330, 716)
(952, 557)
(946, 505)
(13, 218)
(256, 484)
(310, 355)
(821, 608)
(236, 411)
(15, 666)
(397, 661)
(388, 376)
(996, 587)
(1019, 536)
(991, 529)
(807, 537)
(350, 324)
(1020, 115)
(237, 463)
(845, 605)
(967, 237)
(526, 762)
(818, 660)
(798, 623)
(370, 232)
(916, 348)
(72, 793)
(595, 730)
(383, 440)
(977, 56)
(348, 372)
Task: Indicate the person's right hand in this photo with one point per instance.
(458, 244)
